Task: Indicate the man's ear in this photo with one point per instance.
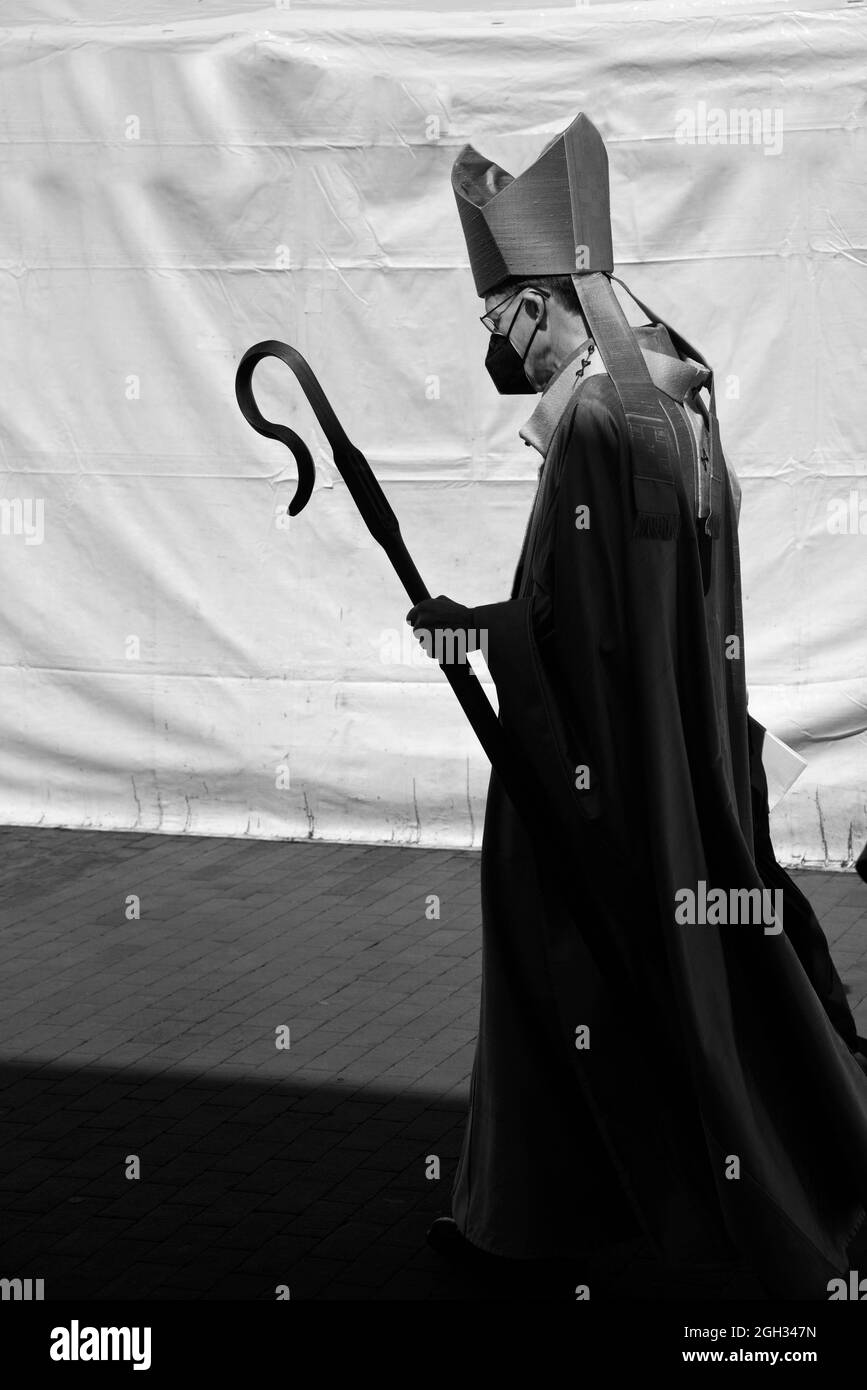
(535, 306)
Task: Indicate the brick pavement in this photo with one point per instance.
(303, 1166)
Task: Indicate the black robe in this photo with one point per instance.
(717, 1109)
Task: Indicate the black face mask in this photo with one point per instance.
(506, 365)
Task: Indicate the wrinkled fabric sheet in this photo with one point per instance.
(173, 656)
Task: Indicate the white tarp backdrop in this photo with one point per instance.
(176, 188)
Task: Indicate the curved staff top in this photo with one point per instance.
(555, 219)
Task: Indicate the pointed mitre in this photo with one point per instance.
(554, 219)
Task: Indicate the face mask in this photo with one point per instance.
(506, 365)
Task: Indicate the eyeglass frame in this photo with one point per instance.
(498, 308)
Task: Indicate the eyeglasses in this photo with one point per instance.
(491, 317)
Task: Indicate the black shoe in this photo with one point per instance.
(445, 1238)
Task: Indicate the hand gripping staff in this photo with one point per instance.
(519, 779)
